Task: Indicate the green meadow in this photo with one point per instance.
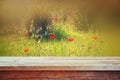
(74, 34)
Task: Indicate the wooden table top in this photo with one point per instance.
(60, 63)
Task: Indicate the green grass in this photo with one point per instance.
(16, 44)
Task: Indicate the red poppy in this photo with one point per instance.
(27, 35)
(26, 50)
(95, 38)
(56, 19)
(71, 39)
(89, 47)
(52, 37)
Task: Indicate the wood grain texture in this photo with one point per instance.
(59, 75)
(60, 63)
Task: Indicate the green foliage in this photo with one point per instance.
(61, 35)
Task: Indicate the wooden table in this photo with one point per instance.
(59, 68)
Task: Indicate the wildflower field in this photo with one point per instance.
(72, 32)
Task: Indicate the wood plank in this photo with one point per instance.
(59, 75)
(59, 63)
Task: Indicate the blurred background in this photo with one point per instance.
(79, 19)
